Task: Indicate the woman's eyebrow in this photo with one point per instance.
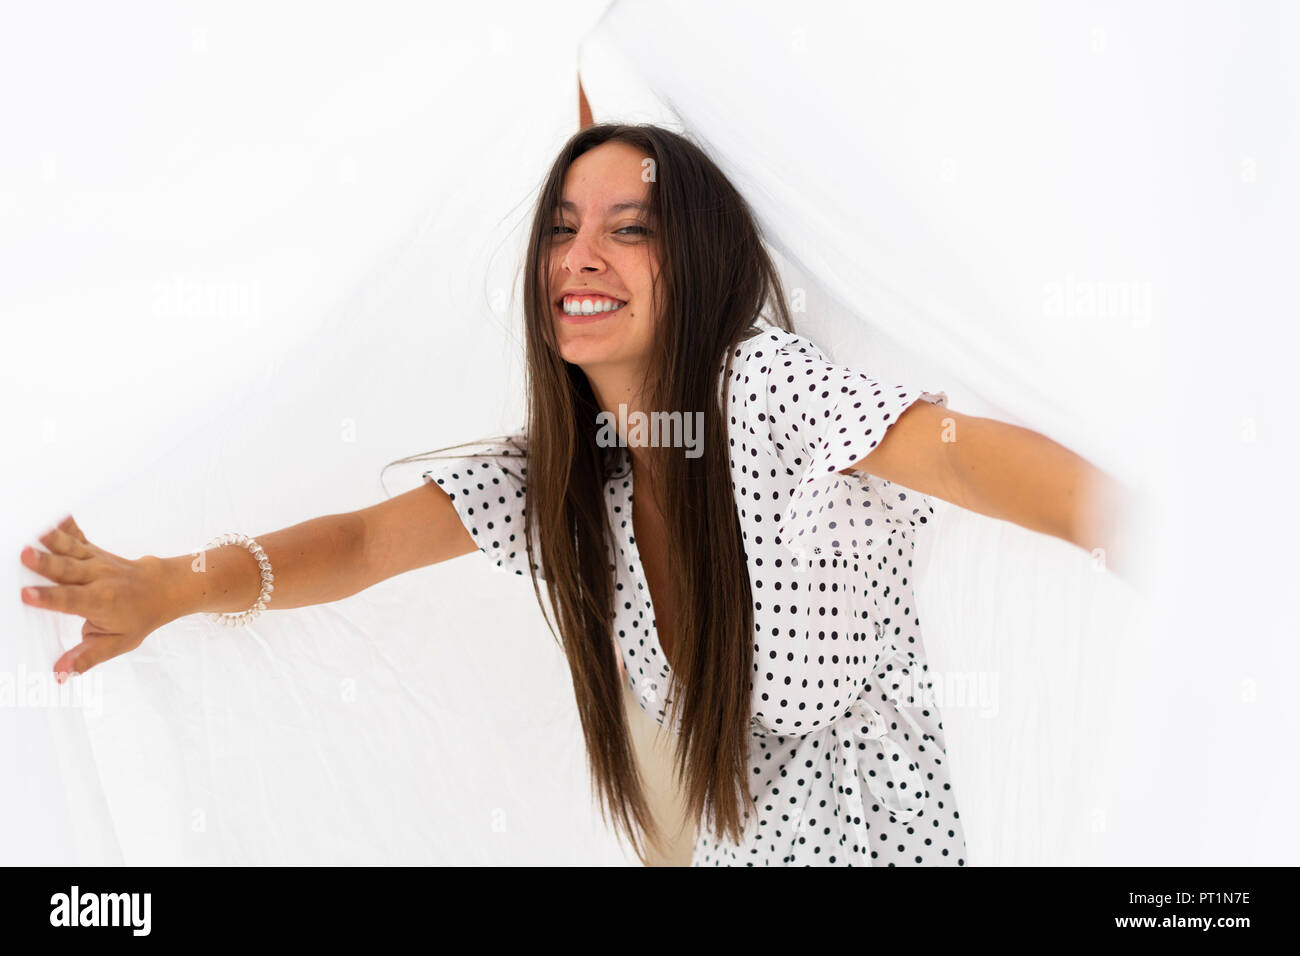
(569, 205)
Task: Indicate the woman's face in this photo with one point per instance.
(603, 242)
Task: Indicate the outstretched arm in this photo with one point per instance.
(1007, 472)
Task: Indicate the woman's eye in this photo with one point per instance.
(557, 230)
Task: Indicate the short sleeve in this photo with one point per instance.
(824, 418)
(487, 485)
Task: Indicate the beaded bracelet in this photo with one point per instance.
(232, 619)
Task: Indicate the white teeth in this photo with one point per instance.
(590, 306)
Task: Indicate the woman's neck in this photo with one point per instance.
(612, 388)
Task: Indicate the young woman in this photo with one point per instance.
(742, 563)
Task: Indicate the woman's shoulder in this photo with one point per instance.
(761, 344)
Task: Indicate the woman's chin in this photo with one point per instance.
(584, 353)
(580, 344)
(609, 342)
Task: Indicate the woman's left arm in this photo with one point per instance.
(1007, 472)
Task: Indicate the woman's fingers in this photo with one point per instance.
(71, 560)
(57, 567)
(60, 541)
(119, 598)
(70, 526)
(94, 649)
(66, 598)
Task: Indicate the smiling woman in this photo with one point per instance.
(711, 572)
(751, 592)
(603, 266)
(772, 600)
(620, 219)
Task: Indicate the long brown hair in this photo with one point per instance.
(715, 279)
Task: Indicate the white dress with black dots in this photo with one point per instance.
(847, 760)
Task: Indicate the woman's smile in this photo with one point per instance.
(580, 309)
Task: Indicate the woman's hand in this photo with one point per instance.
(123, 601)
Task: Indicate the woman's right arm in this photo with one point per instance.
(324, 559)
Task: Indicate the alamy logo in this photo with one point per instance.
(101, 909)
(656, 430)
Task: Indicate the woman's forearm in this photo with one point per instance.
(1110, 521)
(1021, 476)
(315, 562)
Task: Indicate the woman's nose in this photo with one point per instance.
(582, 254)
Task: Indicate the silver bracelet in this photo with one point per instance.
(242, 617)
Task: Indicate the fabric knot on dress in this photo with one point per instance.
(871, 761)
(871, 756)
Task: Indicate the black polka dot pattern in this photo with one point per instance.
(820, 419)
(488, 494)
(847, 761)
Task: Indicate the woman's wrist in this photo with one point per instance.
(226, 579)
(178, 586)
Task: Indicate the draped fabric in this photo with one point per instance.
(246, 267)
(1031, 209)
(254, 258)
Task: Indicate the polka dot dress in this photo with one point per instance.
(488, 493)
(847, 760)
